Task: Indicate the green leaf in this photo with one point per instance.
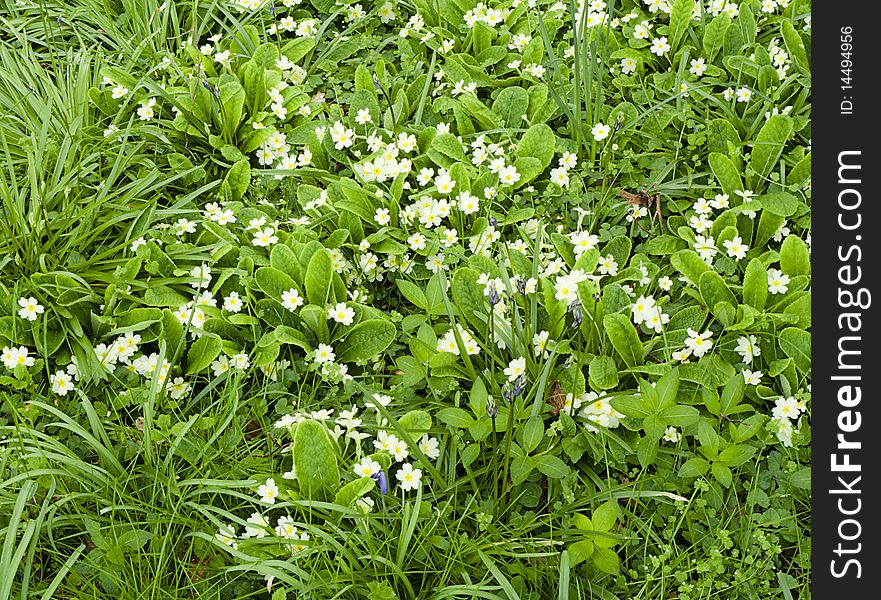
(605, 515)
(203, 352)
(238, 177)
(755, 284)
(722, 473)
(796, 343)
(533, 432)
(511, 104)
(680, 19)
(680, 415)
(734, 456)
(794, 256)
(725, 172)
(631, 406)
(801, 478)
(413, 293)
(714, 35)
(455, 417)
(624, 338)
(318, 278)
(232, 100)
(606, 560)
(732, 394)
(795, 47)
(779, 203)
(448, 145)
(315, 460)
(365, 340)
(689, 264)
(353, 490)
(603, 373)
(273, 282)
(468, 296)
(537, 143)
(581, 551)
(769, 143)
(694, 467)
(551, 466)
(713, 289)
(416, 423)
(521, 467)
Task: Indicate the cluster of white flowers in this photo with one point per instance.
(647, 312)
(784, 415)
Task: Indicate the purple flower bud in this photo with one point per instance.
(492, 409)
(493, 221)
(519, 384)
(521, 285)
(207, 86)
(617, 122)
(493, 296)
(272, 8)
(376, 84)
(383, 482)
(507, 394)
(577, 316)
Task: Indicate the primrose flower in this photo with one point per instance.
(268, 492)
(747, 348)
(30, 308)
(409, 477)
(341, 313)
(699, 343)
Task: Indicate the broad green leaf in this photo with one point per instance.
(365, 340)
(449, 146)
(768, 144)
(353, 490)
(533, 432)
(680, 19)
(537, 143)
(203, 352)
(416, 423)
(796, 344)
(315, 461)
(455, 417)
(714, 35)
(689, 264)
(606, 560)
(468, 296)
(551, 466)
(521, 467)
(779, 203)
(413, 293)
(734, 456)
(694, 467)
(722, 473)
(680, 415)
(755, 284)
(318, 278)
(795, 47)
(732, 394)
(667, 387)
(273, 282)
(603, 373)
(624, 338)
(238, 177)
(725, 172)
(281, 257)
(511, 104)
(713, 289)
(794, 256)
(605, 515)
(631, 406)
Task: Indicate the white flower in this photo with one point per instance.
(777, 281)
(540, 343)
(61, 382)
(268, 492)
(599, 411)
(744, 94)
(698, 66)
(367, 467)
(341, 313)
(747, 348)
(30, 308)
(259, 523)
(699, 343)
(120, 91)
(265, 237)
(324, 354)
(736, 248)
(508, 175)
(291, 299)
(751, 377)
(409, 477)
(786, 408)
(515, 369)
(363, 117)
(665, 283)
(600, 131)
(671, 435)
(382, 216)
(660, 46)
(429, 446)
(233, 303)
